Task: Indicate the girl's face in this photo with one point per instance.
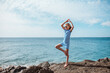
(67, 26)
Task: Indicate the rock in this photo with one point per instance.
(86, 66)
(18, 69)
(52, 64)
(45, 71)
(37, 69)
(13, 69)
(105, 60)
(1, 69)
(44, 65)
(7, 70)
(55, 67)
(32, 69)
(88, 61)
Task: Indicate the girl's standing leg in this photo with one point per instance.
(67, 54)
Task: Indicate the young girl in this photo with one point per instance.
(68, 29)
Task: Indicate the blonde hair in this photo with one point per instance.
(69, 25)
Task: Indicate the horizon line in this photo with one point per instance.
(57, 37)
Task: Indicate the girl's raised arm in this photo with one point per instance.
(63, 24)
(72, 26)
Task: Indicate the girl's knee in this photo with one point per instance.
(56, 46)
(67, 55)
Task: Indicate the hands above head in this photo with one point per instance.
(65, 22)
(68, 20)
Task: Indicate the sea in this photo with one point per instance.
(34, 50)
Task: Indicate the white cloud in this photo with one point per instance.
(11, 18)
(27, 10)
(92, 21)
(107, 23)
(75, 10)
(13, 25)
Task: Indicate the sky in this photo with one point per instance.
(43, 18)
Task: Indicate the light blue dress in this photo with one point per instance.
(66, 40)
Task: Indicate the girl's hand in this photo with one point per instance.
(68, 20)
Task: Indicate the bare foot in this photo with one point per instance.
(65, 65)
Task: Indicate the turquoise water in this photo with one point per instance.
(32, 51)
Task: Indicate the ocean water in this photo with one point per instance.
(32, 51)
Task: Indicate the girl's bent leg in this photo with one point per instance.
(58, 47)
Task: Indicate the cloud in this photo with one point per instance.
(25, 10)
(13, 25)
(75, 10)
(11, 18)
(92, 21)
(32, 17)
(107, 23)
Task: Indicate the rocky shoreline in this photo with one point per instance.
(86, 66)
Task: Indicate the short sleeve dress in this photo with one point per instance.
(66, 40)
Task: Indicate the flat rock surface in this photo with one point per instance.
(86, 66)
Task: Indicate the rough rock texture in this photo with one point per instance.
(8, 70)
(86, 66)
(44, 65)
(37, 69)
(13, 69)
(18, 69)
(32, 69)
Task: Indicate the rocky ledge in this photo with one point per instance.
(86, 66)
